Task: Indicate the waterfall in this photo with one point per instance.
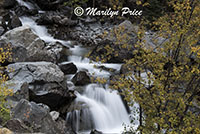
(97, 107)
(105, 108)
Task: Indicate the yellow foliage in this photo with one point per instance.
(172, 83)
(5, 54)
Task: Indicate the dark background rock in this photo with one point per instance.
(9, 3)
(48, 4)
(100, 49)
(24, 11)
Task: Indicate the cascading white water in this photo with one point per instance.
(104, 108)
(99, 108)
(41, 31)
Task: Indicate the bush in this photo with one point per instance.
(4, 91)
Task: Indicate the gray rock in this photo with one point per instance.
(19, 53)
(54, 115)
(15, 22)
(17, 126)
(20, 91)
(35, 71)
(41, 82)
(1, 30)
(29, 47)
(36, 117)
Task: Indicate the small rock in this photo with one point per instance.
(81, 78)
(95, 132)
(55, 115)
(15, 22)
(68, 68)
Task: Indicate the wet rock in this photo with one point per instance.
(68, 68)
(48, 4)
(80, 114)
(81, 78)
(95, 132)
(17, 126)
(36, 117)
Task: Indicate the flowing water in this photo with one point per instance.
(97, 107)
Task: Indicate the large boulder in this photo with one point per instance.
(68, 68)
(36, 117)
(41, 82)
(30, 46)
(35, 71)
(81, 78)
(54, 95)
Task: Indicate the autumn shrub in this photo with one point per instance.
(165, 79)
(5, 54)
